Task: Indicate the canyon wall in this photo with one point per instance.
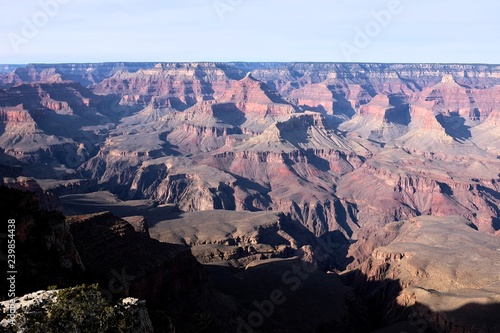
(333, 146)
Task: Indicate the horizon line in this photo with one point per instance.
(253, 62)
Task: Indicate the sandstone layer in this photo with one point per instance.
(289, 137)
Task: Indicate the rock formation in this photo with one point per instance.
(282, 136)
(99, 248)
(34, 306)
(45, 251)
(329, 151)
(236, 237)
(446, 271)
(109, 246)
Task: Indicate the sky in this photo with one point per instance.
(389, 31)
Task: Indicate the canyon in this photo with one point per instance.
(370, 172)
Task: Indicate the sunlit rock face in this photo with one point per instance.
(333, 146)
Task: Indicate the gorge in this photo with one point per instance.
(373, 173)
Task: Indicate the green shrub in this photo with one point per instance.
(82, 309)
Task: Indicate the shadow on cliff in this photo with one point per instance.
(455, 126)
(290, 296)
(44, 254)
(400, 113)
(375, 305)
(278, 295)
(341, 104)
(472, 317)
(229, 113)
(168, 148)
(378, 310)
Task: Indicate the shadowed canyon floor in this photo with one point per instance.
(365, 195)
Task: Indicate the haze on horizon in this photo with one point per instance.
(61, 31)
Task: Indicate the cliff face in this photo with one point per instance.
(45, 251)
(15, 115)
(111, 249)
(53, 123)
(45, 199)
(100, 248)
(334, 146)
(238, 238)
(86, 74)
(415, 188)
(448, 294)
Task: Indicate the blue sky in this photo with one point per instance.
(55, 31)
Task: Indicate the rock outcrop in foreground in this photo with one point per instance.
(57, 310)
(52, 250)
